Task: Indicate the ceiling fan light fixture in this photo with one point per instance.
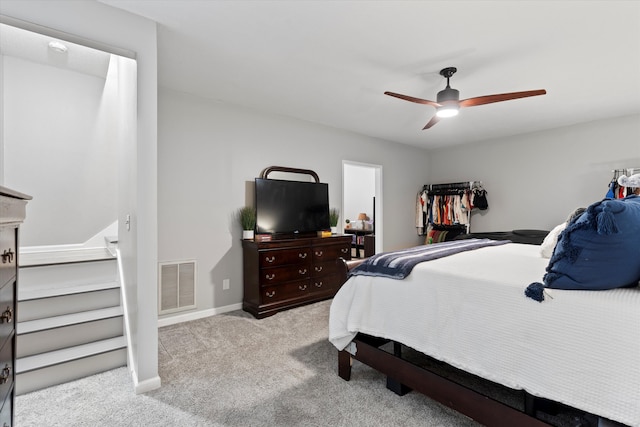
(447, 111)
(448, 98)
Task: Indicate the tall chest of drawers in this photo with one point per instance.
(282, 274)
(12, 214)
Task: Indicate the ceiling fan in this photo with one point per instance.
(449, 102)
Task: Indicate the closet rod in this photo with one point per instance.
(453, 185)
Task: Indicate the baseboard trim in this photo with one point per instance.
(141, 387)
(186, 317)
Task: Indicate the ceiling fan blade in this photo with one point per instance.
(489, 99)
(412, 99)
(433, 121)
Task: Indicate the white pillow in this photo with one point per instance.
(549, 242)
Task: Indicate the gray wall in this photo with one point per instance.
(60, 149)
(207, 152)
(534, 181)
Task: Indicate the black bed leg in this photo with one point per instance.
(529, 404)
(397, 387)
(533, 404)
(344, 365)
(392, 384)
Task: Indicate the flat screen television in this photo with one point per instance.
(291, 207)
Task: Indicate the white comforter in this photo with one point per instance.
(581, 348)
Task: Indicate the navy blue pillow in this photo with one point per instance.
(599, 250)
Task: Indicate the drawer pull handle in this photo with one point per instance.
(270, 259)
(7, 316)
(302, 287)
(270, 276)
(303, 271)
(318, 268)
(318, 253)
(318, 284)
(270, 294)
(7, 256)
(6, 372)
(302, 255)
(344, 250)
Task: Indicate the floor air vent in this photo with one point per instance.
(177, 290)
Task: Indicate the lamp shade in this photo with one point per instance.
(362, 217)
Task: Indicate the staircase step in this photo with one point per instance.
(52, 358)
(55, 333)
(38, 325)
(61, 368)
(53, 275)
(68, 336)
(54, 257)
(56, 291)
(69, 317)
(62, 304)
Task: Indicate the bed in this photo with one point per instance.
(579, 348)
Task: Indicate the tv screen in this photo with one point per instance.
(291, 207)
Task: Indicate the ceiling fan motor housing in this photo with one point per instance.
(448, 94)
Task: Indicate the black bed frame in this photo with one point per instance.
(404, 375)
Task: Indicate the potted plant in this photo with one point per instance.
(334, 216)
(247, 219)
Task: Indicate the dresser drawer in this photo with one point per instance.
(285, 291)
(6, 368)
(8, 256)
(321, 285)
(331, 252)
(326, 268)
(7, 314)
(277, 257)
(328, 283)
(271, 276)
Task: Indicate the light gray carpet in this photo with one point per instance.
(233, 370)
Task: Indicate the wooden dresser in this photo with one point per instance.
(282, 274)
(12, 213)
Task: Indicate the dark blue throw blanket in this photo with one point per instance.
(398, 264)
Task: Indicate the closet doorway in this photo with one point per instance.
(362, 194)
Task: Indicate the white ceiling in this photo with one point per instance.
(329, 62)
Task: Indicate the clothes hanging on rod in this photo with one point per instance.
(617, 191)
(448, 205)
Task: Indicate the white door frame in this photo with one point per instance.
(378, 195)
